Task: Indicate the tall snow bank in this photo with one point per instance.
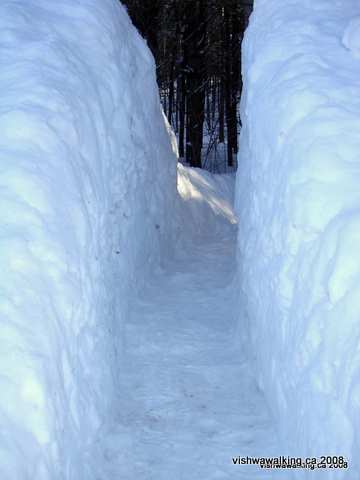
(298, 200)
(87, 184)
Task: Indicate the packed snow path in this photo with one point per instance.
(189, 402)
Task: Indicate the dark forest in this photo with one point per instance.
(197, 48)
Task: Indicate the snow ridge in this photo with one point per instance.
(299, 220)
(87, 185)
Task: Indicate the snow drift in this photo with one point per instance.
(298, 201)
(204, 199)
(87, 184)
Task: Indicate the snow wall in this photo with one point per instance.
(298, 201)
(87, 184)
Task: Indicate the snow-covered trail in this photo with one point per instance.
(189, 402)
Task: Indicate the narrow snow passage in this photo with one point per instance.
(188, 402)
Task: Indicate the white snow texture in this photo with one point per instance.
(299, 221)
(87, 187)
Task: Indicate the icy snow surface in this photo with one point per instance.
(298, 200)
(188, 402)
(87, 190)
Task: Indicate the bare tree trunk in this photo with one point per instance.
(227, 48)
(171, 98)
(182, 116)
(196, 78)
(221, 96)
